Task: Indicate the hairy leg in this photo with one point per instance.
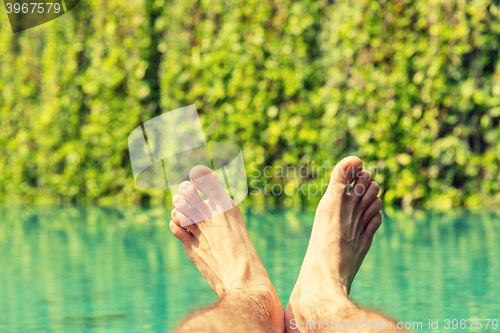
(343, 230)
(221, 249)
(237, 311)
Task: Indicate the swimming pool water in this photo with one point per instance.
(107, 270)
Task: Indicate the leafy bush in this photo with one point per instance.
(411, 87)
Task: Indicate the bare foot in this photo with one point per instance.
(343, 230)
(220, 246)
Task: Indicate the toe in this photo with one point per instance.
(369, 231)
(191, 194)
(366, 200)
(344, 174)
(370, 212)
(360, 186)
(207, 182)
(175, 217)
(179, 232)
(183, 221)
(374, 224)
(180, 203)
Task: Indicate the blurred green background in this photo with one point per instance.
(411, 87)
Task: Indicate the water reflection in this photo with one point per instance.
(96, 269)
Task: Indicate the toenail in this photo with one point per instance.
(184, 185)
(375, 186)
(198, 177)
(176, 199)
(379, 201)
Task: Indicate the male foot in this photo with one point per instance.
(343, 229)
(220, 247)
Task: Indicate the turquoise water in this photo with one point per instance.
(106, 270)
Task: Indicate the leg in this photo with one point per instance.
(343, 230)
(221, 249)
(235, 312)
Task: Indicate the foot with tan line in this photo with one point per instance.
(343, 230)
(220, 247)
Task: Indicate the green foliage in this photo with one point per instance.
(413, 88)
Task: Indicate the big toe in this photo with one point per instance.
(207, 181)
(344, 173)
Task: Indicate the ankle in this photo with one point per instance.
(321, 304)
(259, 297)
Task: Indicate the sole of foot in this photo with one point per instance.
(342, 233)
(215, 237)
